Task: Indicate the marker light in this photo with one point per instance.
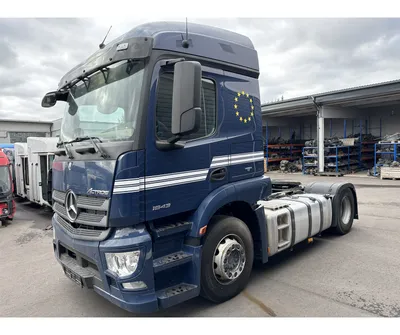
(123, 263)
(136, 285)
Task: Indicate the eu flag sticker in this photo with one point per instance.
(244, 108)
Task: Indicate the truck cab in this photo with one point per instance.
(7, 202)
(159, 190)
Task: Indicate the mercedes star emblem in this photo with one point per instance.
(71, 205)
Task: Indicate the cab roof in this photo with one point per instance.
(42, 144)
(204, 41)
(3, 159)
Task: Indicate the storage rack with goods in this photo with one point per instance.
(366, 141)
(386, 154)
(310, 160)
(351, 153)
(361, 132)
(338, 159)
(278, 149)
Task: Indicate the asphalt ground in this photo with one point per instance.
(353, 275)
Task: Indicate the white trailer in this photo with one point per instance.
(21, 169)
(40, 155)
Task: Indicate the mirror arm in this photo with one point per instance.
(166, 146)
(174, 139)
(169, 62)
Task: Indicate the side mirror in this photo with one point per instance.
(49, 100)
(186, 99)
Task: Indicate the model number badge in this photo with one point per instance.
(97, 192)
(158, 207)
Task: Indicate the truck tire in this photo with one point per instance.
(227, 259)
(345, 210)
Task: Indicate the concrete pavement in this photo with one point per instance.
(353, 275)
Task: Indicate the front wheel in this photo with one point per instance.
(227, 259)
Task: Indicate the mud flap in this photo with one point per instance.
(334, 190)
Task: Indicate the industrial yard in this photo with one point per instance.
(149, 195)
(353, 275)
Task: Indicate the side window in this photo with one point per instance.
(50, 161)
(164, 108)
(25, 170)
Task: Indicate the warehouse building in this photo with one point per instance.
(349, 124)
(56, 128)
(12, 131)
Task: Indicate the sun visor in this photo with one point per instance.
(132, 48)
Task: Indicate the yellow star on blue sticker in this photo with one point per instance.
(245, 105)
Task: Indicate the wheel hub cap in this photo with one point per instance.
(346, 210)
(229, 260)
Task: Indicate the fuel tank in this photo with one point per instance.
(291, 220)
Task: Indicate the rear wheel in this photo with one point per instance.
(345, 212)
(227, 259)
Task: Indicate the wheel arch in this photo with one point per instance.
(245, 191)
(333, 189)
(254, 219)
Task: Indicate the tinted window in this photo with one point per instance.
(164, 108)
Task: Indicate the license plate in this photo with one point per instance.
(73, 276)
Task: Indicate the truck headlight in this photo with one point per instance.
(123, 263)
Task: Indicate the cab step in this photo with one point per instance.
(176, 294)
(171, 260)
(168, 229)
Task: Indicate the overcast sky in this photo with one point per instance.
(297, 56)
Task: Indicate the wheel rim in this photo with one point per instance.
(346, 210)
(229, 259)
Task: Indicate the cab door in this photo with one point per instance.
(178, 180)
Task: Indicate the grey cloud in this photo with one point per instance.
(297, 56)
(8, 55)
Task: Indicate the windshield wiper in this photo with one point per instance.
(85, 138)
(70, 156)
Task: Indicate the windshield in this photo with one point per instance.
(5, 183)
(104, 105)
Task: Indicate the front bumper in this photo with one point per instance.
(7, 209)
(84, 263)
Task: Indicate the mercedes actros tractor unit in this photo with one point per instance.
(159, 190)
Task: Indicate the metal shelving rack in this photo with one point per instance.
(340, 159)
(393, 153)
(304, 165)
(286, 151)
(365, 147)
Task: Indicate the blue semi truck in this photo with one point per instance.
(159, 190)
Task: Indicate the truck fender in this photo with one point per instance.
(248, 191)
(333, 189)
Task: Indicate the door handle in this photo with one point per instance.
(218, 174)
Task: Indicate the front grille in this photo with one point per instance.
(90, 201)
(83, 201)
(91, 222)
(90, 217)
(83, 217)
(88, 232)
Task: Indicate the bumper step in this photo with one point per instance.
(170, 228)
(74, 271)
(171, 260)
(176, 294)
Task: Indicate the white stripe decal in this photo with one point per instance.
(176, 175)
(176, 182)
(133, 185)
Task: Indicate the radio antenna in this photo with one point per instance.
(102, 45)
(185, 42)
